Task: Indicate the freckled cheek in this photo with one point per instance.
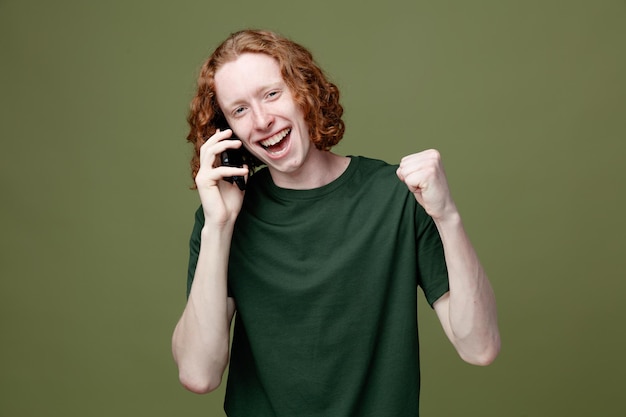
(245, 134)
(243, 131)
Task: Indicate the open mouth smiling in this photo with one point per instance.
(273, 143)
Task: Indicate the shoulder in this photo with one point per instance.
(377, 173)
(372, 164)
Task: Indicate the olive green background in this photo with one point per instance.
(525, 99)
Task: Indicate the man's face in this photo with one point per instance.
(260, 109)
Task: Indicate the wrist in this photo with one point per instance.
(451, 219)
(219, 222)
(217, 232)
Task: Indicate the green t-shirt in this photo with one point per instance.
(325, 284)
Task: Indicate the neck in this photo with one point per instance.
(321, 168)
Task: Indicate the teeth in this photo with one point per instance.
(275, 139)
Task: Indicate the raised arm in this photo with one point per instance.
(201, 339)
(468, 311)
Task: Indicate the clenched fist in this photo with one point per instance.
(424, 175)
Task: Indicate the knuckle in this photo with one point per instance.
(435, 154)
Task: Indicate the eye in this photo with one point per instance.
(239, 110)
(273, 94)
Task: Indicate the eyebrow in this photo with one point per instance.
(268, 86)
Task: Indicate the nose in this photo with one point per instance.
(262, 119)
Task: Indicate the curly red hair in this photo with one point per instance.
(317, 97)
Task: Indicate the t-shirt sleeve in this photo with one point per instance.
(194, 247)
(431, 262)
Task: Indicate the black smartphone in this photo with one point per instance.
(233, 158)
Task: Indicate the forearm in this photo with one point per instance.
(470, 310)
(201, 338)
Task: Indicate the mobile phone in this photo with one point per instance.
(233, 158)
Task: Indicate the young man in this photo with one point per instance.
(320, 256)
